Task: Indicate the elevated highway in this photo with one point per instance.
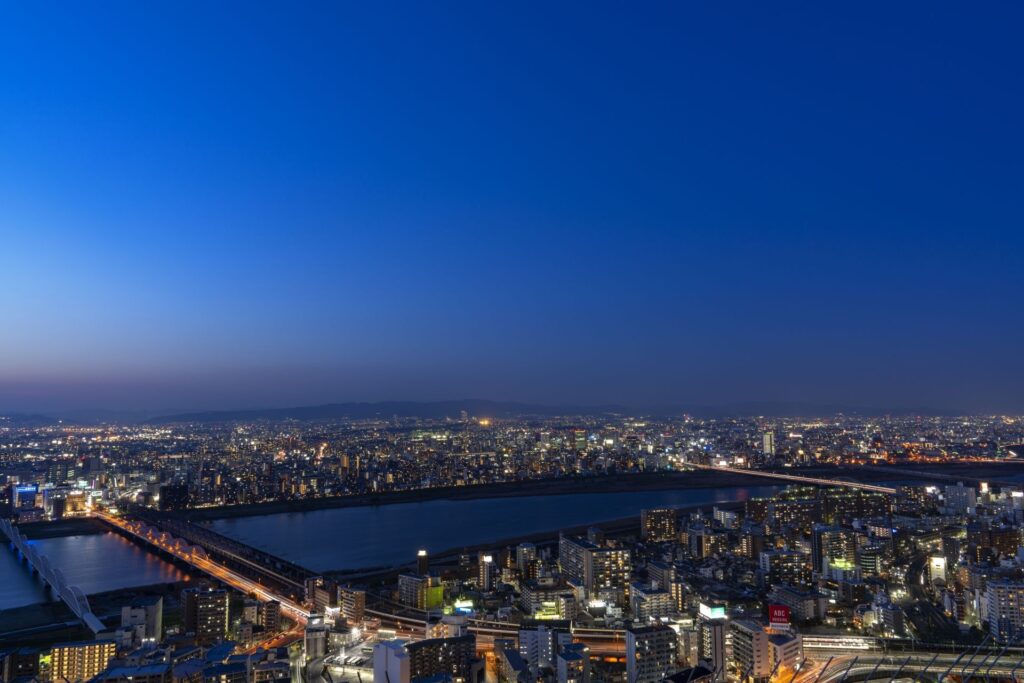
(196, 556)
(924, 666)
(816, 481)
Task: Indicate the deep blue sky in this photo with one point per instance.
(240, 205)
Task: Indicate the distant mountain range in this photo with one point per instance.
(505, 409)
(21, 420)
(385, 409)
(438, 410)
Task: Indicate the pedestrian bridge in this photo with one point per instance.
(54, 578)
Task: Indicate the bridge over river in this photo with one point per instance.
(54, 578)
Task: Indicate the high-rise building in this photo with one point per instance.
(751, 652)
(270, 616)
(353, 604)
(391, 662)
(573, 664)
(832, 543)
(19, 664)
(658, 524)
(315, 636)
(422, 562)
(455, 657)
(487, 570)
(81, 661)
(579, 439)
(526, 555)
(1005, 611)
(768, 443)
(649, 603)
(174, 496)
(421, 592)
(600, 569)
(650, 653)
(205, 614)
(960, 499)
(711, 649)
(790, 567)
(540, 641)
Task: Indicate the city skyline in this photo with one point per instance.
(690, 205)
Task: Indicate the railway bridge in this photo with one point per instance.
(54, 578)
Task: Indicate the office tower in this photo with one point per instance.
(573, 664)
(658, 525)
(768, 443)
(205, 614)
(539, 642)
(422, 562)
(353, 604)
(650, 653)
(391, 662)
(1005, 610)
(789, 567)
(81, 661)
(487, 569)
(711, 621)
(145, 615)
(270, 616)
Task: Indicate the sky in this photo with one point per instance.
(236, 205)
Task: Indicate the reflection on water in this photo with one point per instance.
(95, 563)
(350, 538)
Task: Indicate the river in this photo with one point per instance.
(96, 563)
(348, 538)
(371, 536)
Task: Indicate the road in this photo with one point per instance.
(817, 481)
(196, 557)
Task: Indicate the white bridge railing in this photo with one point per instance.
(72, 595)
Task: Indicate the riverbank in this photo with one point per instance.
(615, 528)
(644, 481)
(615, 483)
(72, 526)
(48, 622)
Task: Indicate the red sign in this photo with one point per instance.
(778, 615)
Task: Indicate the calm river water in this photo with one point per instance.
(95, 563)
(357, 537)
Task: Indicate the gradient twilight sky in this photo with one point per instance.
(252, 204)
